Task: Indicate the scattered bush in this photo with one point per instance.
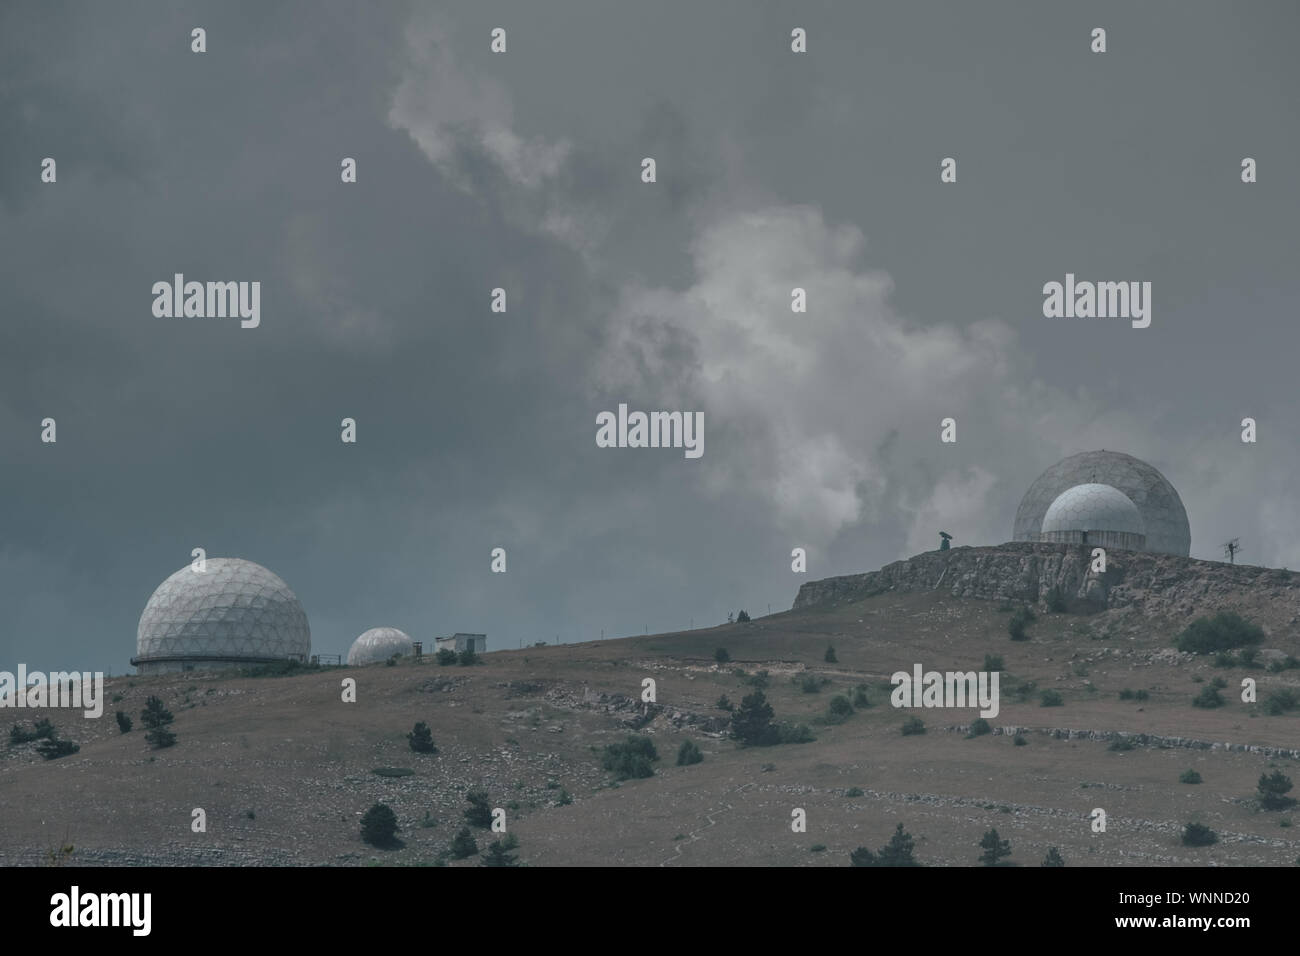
(1273, 789)
(123, 722)
(1189, 776)
(979, 727)
(897, 852)
(994, 848)
(632, 758)
(379, 825)
(1018, 622)
(1053, 858)
(1280, 701)
(721, 655)
(1050, 698)
(479, 811)
(1198, 834)
(794, 734)
(751, 723)
(829, 657)
(52, 748)
(913, 725)
(498, 853)
(421, 739)
(1056, 600)
(839, 710)
(1122, 744)
(811, 684)
(463, 845)
(1224, 631)
(688, 753)
(1209, 697)
(446, 656)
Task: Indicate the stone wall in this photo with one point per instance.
(1156, 584)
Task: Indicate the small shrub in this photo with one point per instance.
(721, 655)
(993, 662)
(794, 734)
(463, 845)
(979, 727)
(393, 772)
(1056, 600)
(392, 660)
(1126, 694)
(829, 657)
(811, 684)
(52, 748)
(751, 723)
(1053, 858)
(1209, 697)
(1273, 789)
(1142, 695)
(724, 704)
(994, 848)
(1225, 659)
(688, 753)
(860, 697)
(421, 739)
(379, 825)
(160, 738)
(839, 710)
(854, 792)
(563, 799)
(817, 848)
(1280, 701)
(742, 617)
(897, 852)
(123, 722)
(479, 811)
(760, 680)
(446, 656)
(630, 759)
(1122, 744)
(19, 734)
(498, 854)
(1050, 698)
(1189, 776)
(428, 822)
(1019, 740)
(1224, 631)
(467, 658)
(1198, 834)
(913, 725)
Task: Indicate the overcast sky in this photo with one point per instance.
(523, 170)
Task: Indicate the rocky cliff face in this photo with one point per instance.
(1152, 584)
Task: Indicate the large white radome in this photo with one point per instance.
(379, 644)
(231, 613)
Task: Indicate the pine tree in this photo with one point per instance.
(421, 739)
(463, 845)
(379, 825)
(994, 848)
(1053, 858)
(751, 723)
(479, 813)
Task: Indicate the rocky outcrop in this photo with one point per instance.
(1156, 584)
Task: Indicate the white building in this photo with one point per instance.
(462, 642)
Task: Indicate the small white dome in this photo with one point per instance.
(1093, 507)
(379, 644)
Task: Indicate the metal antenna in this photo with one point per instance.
(1231, 549)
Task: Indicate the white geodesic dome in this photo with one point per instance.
(1093, 507)
(379, 644)
(1164, 518)
(232, 612)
